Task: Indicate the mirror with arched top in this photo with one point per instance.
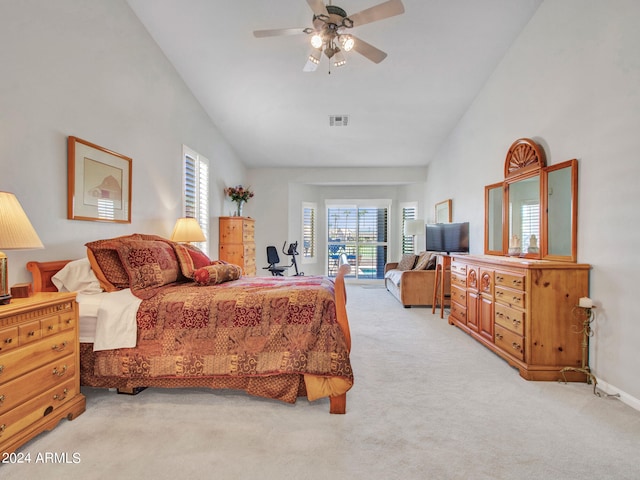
(533, 212)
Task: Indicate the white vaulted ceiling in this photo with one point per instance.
(440, 54)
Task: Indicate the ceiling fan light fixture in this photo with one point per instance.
(339, 60)
(347, 42)
(316, 40)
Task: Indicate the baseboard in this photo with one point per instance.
(609, 389)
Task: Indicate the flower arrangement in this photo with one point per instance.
(240, 195)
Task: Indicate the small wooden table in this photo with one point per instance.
(443, 265)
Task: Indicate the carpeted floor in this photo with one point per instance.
(428, 403)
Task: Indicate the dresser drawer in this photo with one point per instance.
(459, 269)
(9, 339)
(510, 318)
(35, 354)
(510, 297)
(14, 392)
(46, 403)
(510, 280)
(248, 231)
(458, 280)
(29, 332)
(50, 325)
(510, 342)
(458, 295)
(459, 313)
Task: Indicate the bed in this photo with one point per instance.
(274, 337)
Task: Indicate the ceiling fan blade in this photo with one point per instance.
(318, 7)
(367, 50)
(278, 31)
(384, 10)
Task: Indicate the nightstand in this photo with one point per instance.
(39, 366)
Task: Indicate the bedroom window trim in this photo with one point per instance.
(309, 232)
(195, 191)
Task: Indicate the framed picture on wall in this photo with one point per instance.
(98, 182)
(443, 211)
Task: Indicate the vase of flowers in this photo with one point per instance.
(240, 195)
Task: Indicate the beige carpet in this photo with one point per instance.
(428, 403)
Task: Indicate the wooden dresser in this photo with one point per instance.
(237, 243)
(523, 310)
(39, 366)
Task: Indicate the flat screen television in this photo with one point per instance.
(447, 237)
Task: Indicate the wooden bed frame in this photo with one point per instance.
(43, 271)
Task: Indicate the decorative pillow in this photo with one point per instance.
(407, 262)
(190, 258)
(149, 264)
(431, 264)
(106, 264)
(423, 260)
(77, 276)
(219, 273)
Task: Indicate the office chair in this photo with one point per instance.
(273, 259)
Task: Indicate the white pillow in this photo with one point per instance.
(77, 276)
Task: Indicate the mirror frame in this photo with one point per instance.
(487, 209)
(526, 159)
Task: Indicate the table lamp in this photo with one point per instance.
(412, 228)
(16, 233)
(187, 230)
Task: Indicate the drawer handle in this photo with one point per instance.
(517, 283)
(3, 427)
(61, 347)
(516, 322)
(1, 399)
(515, 299)
(1, 368)
(50, 327)
(68, 321)
(499, 294)
(499, 278)
(499, 336)
(8, 340)
(60, 373)
(61, 397)
(31, 333)
(516, 346)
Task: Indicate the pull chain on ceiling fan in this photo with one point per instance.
(329, 32)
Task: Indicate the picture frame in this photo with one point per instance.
(443, 211)
(98, 183)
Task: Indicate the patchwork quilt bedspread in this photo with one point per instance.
(254, 326)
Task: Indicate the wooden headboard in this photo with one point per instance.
(42, 273)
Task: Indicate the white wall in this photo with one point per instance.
(571, 82)
(89, 69)
(280, 193)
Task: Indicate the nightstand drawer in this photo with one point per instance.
(33, 355)
(14, 392)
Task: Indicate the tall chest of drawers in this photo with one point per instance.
(39, 366)
(237, 243)
(523, 310)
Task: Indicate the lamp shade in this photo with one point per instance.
(187, 230)
(413, 227)
(16, 231)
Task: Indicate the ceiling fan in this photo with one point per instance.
(329, 34)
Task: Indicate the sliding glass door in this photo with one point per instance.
(361, 232)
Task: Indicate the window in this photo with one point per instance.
(361, 232)
(309, 212)
(196, 191)
(530, 213)
(409, 212)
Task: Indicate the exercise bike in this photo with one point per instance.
(274, 259)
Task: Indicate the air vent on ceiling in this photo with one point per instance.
(338, 120)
